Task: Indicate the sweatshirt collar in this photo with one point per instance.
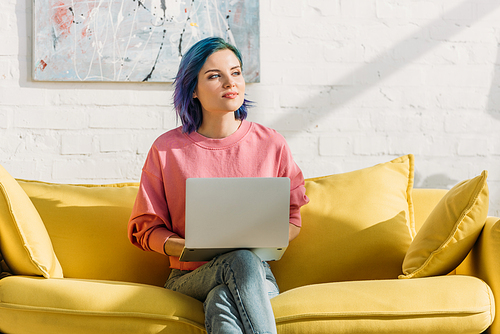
(226, 142)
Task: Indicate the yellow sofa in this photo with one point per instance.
(358, 265)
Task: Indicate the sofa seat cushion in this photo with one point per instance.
(36, 305)
(445, 304)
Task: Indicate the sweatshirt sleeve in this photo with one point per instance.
(149, 226)
(298, 198)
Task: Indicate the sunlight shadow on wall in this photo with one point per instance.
(494, 95)
(386, 70)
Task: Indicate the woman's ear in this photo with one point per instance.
(194, 95)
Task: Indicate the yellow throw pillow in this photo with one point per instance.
(357, 226)
(450, 231)
(24, 241)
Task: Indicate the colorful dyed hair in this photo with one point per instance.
(188, 109)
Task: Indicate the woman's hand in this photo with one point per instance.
(174, 246)
(293, 232)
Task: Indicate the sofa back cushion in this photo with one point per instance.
(88, 228)
(24, 242)
(357, 226)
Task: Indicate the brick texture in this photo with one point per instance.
(348, 83)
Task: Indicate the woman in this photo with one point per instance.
(213, 141)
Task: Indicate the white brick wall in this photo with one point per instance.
(348, 83)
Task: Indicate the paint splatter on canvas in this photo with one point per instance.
(136, 40)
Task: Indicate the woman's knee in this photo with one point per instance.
(245, 264)
(245, 257)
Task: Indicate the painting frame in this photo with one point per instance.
(136, 40)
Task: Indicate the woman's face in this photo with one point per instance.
(221, 86)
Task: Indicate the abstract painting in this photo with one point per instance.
(136, 40)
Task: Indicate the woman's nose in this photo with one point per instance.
(229, 82)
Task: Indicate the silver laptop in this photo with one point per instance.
(225, 214)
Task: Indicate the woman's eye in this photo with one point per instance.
(214, 76)
(236, 73)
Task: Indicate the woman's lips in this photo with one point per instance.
(230, 95)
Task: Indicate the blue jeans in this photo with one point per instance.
(235, 288)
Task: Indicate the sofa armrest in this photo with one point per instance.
(483, 262)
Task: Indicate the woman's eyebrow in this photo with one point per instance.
(215, 70)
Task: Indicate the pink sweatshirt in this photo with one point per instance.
(252, 151)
